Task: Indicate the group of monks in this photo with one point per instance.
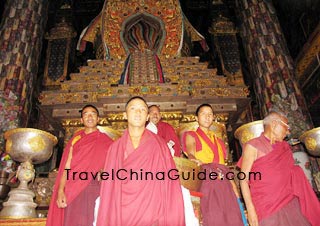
(111, 196)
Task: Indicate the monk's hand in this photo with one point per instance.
(61, 200)
(252, 217)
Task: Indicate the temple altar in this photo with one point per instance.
(141, 51)
(125, 31)
(150, 43)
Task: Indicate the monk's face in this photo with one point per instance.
(154, 114)
(205, 117)
(280, 128)
(137, 113)
(89, 117)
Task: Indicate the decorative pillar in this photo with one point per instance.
(23, 24)
(271, 65)
(272, 69)
(60, 53)
(224, 37)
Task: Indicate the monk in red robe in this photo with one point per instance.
(164, 130)
(220, 204)
(136, 189)
(283, 195)
(77, 186)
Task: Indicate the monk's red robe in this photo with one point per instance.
(88, 156)
(140, 201)
(281, 181)
(219, 205)
(167, 132)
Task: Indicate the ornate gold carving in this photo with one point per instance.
(116, 117)
(308, 54)
(235, 79)
(222, 118)
(203, 83)
(222, 25)
(119, 126)
(61, 30)
(115, 13)
(222, 92)
(188, 118)
(185, 77)
(104, 122)
(49, 98)
(71, 122)
(171, 115)
(185, 90)
(77, 122)
(141, 90)
(80, 87)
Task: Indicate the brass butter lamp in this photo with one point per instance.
(28, 146)
(311, 139)
(249, 131)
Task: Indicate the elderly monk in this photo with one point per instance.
(220, 201)
(283, 195)
(132, 197)
(77, 187)
(164, 130)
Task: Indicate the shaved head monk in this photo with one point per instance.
(220, 204)
(164, 130)
(140, 192)
(77, 186)
(283, 196)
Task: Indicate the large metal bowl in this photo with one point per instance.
(28, 144)
(188, 167)
(249, 131)
(311, 139)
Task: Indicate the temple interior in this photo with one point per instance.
(241, 57)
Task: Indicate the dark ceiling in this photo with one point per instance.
(298, 19)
